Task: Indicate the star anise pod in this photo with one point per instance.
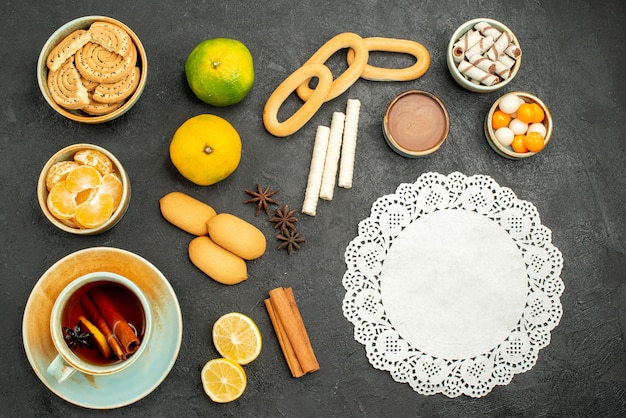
(76, 337)
(284, 219)
(262, 198)
(291, 240)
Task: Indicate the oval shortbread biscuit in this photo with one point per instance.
(216, 262)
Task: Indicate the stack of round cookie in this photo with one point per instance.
(94, 70)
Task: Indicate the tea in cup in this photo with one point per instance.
(100, 324)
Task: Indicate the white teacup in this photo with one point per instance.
(67, 362)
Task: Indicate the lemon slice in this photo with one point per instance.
(236, 337)
(98, 337)
(223, 380)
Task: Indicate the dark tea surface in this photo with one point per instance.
(127, 304)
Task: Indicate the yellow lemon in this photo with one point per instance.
(206, 149)
(223, 380)
(237, 337)
(220, 71)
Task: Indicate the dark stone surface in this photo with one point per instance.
(573, 59)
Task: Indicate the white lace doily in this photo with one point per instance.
(453, 285)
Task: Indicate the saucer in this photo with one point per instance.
(142, 377)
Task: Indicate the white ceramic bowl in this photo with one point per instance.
(460, 78)
(58, 36)
(67, 153)
(507, 151)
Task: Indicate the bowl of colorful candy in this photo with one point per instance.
(518, 125)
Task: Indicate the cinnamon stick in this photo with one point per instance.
(296, 313)
(98, 320)
(283, 341)
(122, 331)
(288, 315)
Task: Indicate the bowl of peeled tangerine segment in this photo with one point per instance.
(93, 69)
(83, 189)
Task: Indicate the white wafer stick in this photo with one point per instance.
(314, 183)
(477, 74)
(487, 30)
(506, 60)
(483, 63)
(332, 156)
(348, 148)
(468, 39)
(502, 43)
(480, 47)
(513, 51)
(465, 42)
(502, 70)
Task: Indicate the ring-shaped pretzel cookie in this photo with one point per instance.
(350, 75)
(402, 46)
(310, 106)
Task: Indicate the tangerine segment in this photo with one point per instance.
(223, 380)
(61, 201)
(111, 184)
(94, 212)
(85, 196)
(96, 159)
(237, 338)
(82, 178)
(59, 171)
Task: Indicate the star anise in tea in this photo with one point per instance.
(284, 219)
(76, 337)
(291, 240)
(262, 198)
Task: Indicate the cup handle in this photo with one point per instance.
(60, 370)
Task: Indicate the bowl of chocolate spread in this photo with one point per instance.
(416, 124)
